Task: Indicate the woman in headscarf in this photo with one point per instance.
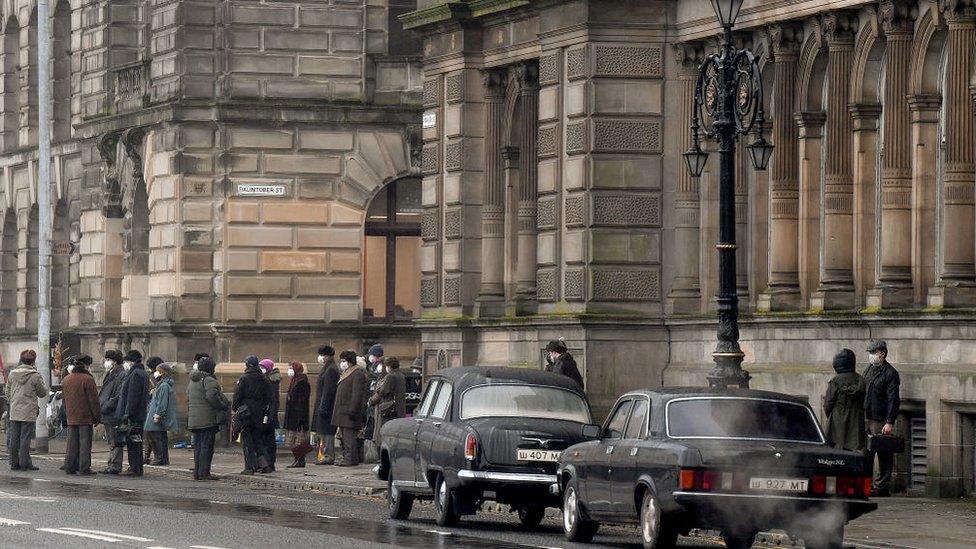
(296, 414)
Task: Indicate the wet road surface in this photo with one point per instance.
(47, 509)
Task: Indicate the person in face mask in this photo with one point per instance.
(196, 360)
(161, 416)
(252, 395)
(108, 400)
(83, 412)
(269, 442)
(133, 401)
(882, 401)
(149, 443)
(207, 413)
(349, 411)
(296, 414)
(324, 400)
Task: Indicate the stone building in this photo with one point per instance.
(556, 202)
(234, 175)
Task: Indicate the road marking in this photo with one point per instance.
(101, 533)
(78, 534)
(8, 495)
(11, 522)
(42, 480)
(205, 547)
(126, 490)
(219, 502)
(439, 532)
(327, 516)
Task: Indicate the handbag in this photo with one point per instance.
(886, 444)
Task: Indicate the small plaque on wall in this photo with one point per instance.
(430, 119)
(260, 190)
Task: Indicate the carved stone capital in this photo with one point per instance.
(839, 27)
(958, 11)
(897, 16)
(785, 39)
(689, 56)
(494, 81)
(527, 75)
(107, 146)
(132, 141)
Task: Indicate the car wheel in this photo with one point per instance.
(575, 527)
(444, 502)
(832, 538)
(531, 516)
(400, 502)
(655, 533)
(738, 540)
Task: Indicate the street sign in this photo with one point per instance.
(260, 190)
(430, 119)
(63, 247)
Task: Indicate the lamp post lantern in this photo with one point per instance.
(728, 104)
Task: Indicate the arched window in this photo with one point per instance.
(391, 262)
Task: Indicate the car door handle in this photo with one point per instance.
(609, 449)
(633, 451)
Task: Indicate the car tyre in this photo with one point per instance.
(531, 515)
(575, 527)
(445, 502)
(655, 532)
(400, 503)
(738, 540)
(830, 539)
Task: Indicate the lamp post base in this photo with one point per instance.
(724, 380)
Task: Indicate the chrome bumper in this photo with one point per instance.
(493, 476)
(704, 496)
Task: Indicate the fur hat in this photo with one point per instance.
(113, 355)
(198, 356)
(206, 364)
(326, 350)
(133, 356)
(348, 356)
(152, 362)
(83, 360)
(556, 346)
(844, 361)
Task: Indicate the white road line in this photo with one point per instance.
(205, 547)
(8, 495)
(42, 480)
(219, 502)
(126, 490)
(78, 534)
(327, 516)
(102, 533)
(12, 522)
(158, 547)
(440, 532)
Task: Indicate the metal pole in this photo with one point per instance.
(728, 355)
(44, 208)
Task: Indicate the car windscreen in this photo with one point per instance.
(533, 401)
(741, 418)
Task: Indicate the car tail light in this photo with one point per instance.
(866, 483)
(470, 447)
(841, 486)
(707, 481)
(818, 484)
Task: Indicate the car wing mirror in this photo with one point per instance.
(590, 431)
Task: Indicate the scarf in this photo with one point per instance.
(352, 368)
(299, 376)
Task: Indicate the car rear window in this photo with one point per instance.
(741, 418)
(523, 401)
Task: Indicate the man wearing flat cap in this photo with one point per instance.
(881, 402)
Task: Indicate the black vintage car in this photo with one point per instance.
(483, 434)
(739, 461)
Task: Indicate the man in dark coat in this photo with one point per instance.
(296, 414)
(83, 412)
(133, 404)
(324, 401)
(881, 403)
(389, 400)
(269, 442)
(844, 405)
(349, 412)
(207, 412)
(108, 400)
(563, 363)
(252, 397)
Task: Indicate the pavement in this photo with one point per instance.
(355, 495)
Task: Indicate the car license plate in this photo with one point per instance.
(778, 484)
(537, 455)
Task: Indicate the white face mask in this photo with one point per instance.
(343, 365)
(157, 375)
(108, 364)
(196, 365)
(372, 359)
(321, 359)
(291, 372)
(71, 368)
(874, 359)
(126, 365)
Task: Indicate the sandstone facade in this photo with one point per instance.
(555, 137)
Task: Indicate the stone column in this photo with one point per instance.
(528, 76)
(956, 277)
(784, 291)
(865, 118)
(491, 298)
(895, 256)
(685, 294)
(836, 289)
(810, 125)
(743, 173)
(924, 109)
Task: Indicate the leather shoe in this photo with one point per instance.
(247, 472)
(210, 477)
(29, 468)
(110, 471)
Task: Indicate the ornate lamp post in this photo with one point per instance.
(727, 104)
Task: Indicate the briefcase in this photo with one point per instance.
(886, 444)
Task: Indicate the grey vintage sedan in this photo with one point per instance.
(483, 434)
(738, 461)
